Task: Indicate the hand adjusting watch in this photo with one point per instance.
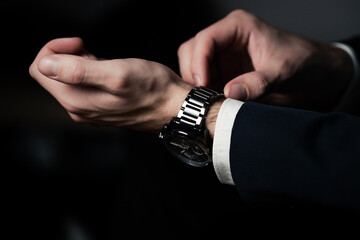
(186, 136)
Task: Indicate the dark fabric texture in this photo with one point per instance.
(291, 157)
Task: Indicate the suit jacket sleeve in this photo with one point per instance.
(294, 156)
(284, 155)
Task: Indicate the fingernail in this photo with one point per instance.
(197, 80)
(237, 91)
(49, 66)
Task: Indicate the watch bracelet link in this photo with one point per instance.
(193, 110)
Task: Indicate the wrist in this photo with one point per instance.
(175, 97)
(210, 121)
(178, 94)
(187, 135)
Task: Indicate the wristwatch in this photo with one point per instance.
(186, 136)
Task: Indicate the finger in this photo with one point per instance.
(66, 45)
(80, 119)
(86, 54)
(61, 45)
(83, 101)
(76, 70)
(203, 53)
(184, 56)
(227, 33)
(78, 100)
(248, 86)
(77, 118)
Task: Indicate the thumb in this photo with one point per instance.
(77, 70)
(69, 69)
(248, 86)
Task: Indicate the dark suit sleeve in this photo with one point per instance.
(284, 155)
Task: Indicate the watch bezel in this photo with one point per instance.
(167, 134)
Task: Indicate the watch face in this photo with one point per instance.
(187, 150)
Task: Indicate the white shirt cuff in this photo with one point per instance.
(222, 139)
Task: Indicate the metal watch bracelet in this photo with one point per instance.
(195, 107)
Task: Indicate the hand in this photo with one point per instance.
(254, 60)
(131, 93)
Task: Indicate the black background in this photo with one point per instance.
(63, 180)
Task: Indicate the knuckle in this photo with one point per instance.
(32, 70)
(120, 80)
(285, 69)
(204, 44)
(185, 47)
(118, 84)
(181, 49)
(200, 35)
(78, 72)
(77, 118)
(242, 15)
(239, 13)
(71, 108)
(262, 84)
(53, 41)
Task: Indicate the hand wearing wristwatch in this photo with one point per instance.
(186, 136)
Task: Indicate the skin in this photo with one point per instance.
(247, 57)
(131, 93)
(253, 60)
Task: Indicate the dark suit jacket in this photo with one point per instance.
(288, 156)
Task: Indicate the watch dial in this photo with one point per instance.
(187, 150)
